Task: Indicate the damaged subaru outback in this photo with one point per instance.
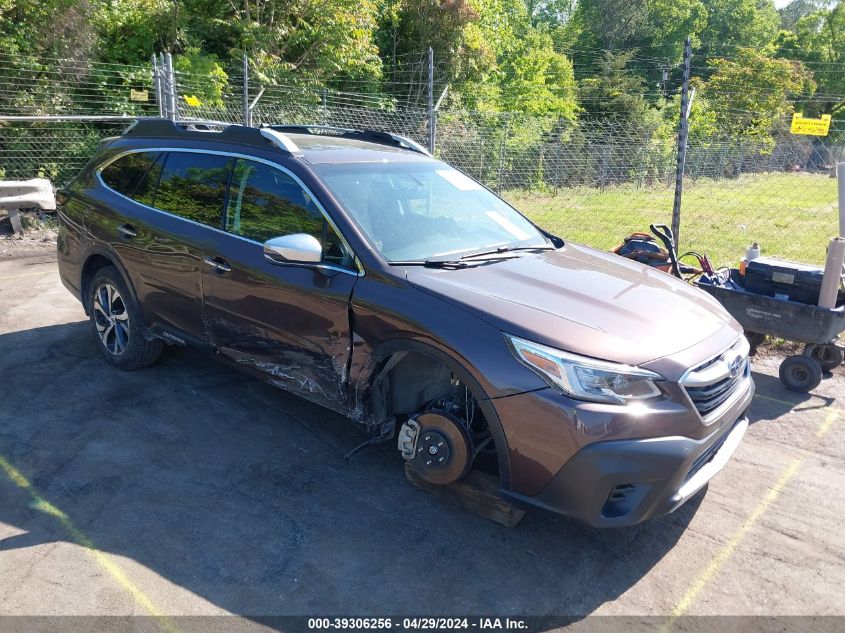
(354, 269)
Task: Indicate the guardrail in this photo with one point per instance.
(25, 194)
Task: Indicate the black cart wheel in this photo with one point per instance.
(800, 373)
(827, 356)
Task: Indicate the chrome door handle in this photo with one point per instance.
(127, 230)
(217, 264)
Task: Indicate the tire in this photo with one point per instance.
(116, 322)
(800, 373)
(828, 357)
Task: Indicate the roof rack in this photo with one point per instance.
(276, 134)
(372, 136)
(200, 129)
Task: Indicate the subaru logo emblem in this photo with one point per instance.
(735, 366)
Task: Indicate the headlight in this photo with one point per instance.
(585, 378)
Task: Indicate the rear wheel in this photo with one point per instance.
(117, 324)
(800, 373)
(827, 356)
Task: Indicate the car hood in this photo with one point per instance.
(584, 301)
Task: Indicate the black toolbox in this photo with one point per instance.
(785, 280)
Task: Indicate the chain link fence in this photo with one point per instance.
(593, 181)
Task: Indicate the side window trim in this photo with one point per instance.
(282, 168)
(161, 157)
(146, 173)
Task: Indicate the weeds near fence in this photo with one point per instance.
(590, 180)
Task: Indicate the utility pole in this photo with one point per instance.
(840, 175)
(171, 85)
(247, 112)
(157, 86)
(683, 136)
(432, 115)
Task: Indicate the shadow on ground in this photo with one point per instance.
(239, 493)
(774, 400)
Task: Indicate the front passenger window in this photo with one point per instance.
(265, 203)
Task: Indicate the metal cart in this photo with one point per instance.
(818, 328)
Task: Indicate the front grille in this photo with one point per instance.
(708, 398)
(711, 384)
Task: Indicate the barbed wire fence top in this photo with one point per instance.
(590, 180)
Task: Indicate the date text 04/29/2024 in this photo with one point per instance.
(419, 624)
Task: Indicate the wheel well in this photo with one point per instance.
(411, 382)
(415, 380)
(92, 265)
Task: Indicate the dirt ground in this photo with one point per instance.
(38, 237)
(188, 489)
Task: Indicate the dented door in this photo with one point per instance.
(288, 321)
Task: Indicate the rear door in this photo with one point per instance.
(288, 321)
(160, 235)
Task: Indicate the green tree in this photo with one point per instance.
(819, 40)
(656, 28)
(536, 79)
(616, 92)
(732, 24)
(130, 31)
(751, 92)
(797, 9)
(58, 28)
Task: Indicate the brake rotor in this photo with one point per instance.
(444, 448)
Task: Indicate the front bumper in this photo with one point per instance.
(620, 483)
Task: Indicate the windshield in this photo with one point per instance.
(414, 211)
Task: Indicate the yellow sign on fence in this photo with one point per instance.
(138, 95)
(813, 127)
(192, 101)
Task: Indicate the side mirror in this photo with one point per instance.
(296, 247)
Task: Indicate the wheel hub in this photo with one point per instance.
(433, 449)
(443, 450)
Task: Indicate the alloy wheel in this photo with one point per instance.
(111, 318)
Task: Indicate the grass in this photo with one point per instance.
(791, 215)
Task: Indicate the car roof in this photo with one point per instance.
(322, 149)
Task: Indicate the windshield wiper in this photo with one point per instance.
(489, 255)
(500, 252)
(449, 263)
(432, 263)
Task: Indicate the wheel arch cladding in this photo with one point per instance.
(389, 355)
(94, 262)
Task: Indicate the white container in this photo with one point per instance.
(752, 252)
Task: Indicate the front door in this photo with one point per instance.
(287, 321)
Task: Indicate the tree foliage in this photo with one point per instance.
(818, 39)
(750, 93)
(588, 59)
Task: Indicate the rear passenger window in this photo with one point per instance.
(146, 189)
(193, 186)
(124, 174)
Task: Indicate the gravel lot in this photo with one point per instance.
(188, 488)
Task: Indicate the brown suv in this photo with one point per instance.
(355, 270)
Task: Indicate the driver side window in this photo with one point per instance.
(265, 203)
